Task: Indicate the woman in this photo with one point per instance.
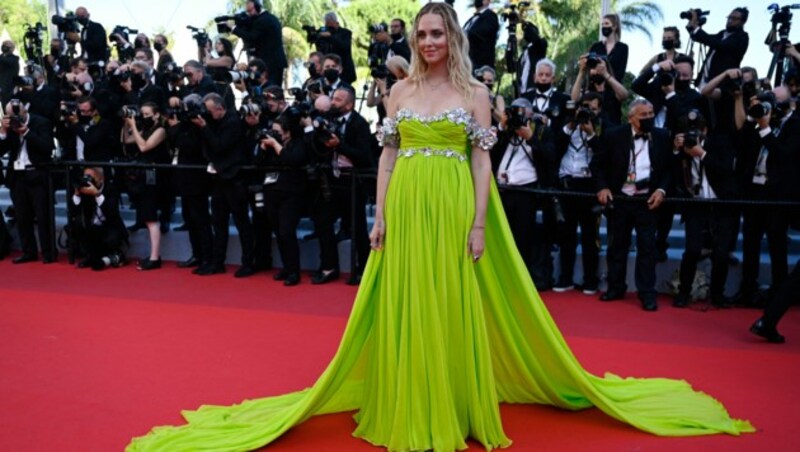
(378, 94)
(284, 192)
(146, 146)
(435, 339)
(611, 46)
(671, 43)
(218, 64)
(600, 79)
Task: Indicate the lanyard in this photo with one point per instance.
(634, 156)
(584, 145)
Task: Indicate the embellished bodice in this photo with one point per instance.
(450, 133)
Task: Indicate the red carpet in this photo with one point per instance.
(89, 360)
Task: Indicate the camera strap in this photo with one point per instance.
(584, 145)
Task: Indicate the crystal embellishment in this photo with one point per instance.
(428, 152)
(387, 135)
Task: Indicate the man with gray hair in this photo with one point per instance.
(39, 98)
(632, 169)
(544, 97)
(333, 38)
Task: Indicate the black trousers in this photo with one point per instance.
(342, 190)
(198, 222)
(5, 237)
(262, 230)
(29, 195)
(578, 211)
(534, 240)
(622, 220)
(720, 222)
(666, 215)
(783, 297)
(99, 241)
(284, 210)
(323, 214)
(229, 197)
(774, 223)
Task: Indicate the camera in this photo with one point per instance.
(199, 35)
(249, 109)
(85, 181)
(380, 72)
(67, 109)
(584, 116)
(516, 117)
(129, 111)
(592, 60)
(173, 72)
(121, 30)
(315, 87)
(701, 15)
(32, 40)
(514, 12)
(666, 78)
(24, 81)
(377, 28)
(265, 133)
(764, 106)
(691, 138)
(299, 94)
(324, 129)
(241, 20)
(197, 111)
(66, 24)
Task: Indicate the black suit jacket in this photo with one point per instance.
(263, 34)
(783, 160)
(536, 50)
(610, 163)
(9, 67)
(618, 58)
(110, 209)
(718, 166)
(225, 145)
(100, 141)
(543, 152)
(358, 142)
(295, 155)
(482, 36)
(43, 102)
(39, 140)
(401, 48)
(94, 43)
(728, 52)
(648, 86)
(341, 43)
(185, 138)
(557, 106)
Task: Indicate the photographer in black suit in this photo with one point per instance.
(97, 226)
(40, 98)
(544, 96)
(524, 157)
(98, 137)
(768, 170)
(481, 30)
(399, 45)
(93, 37)
(223, 137)
(338, 40)
(263, 34)
(9, 68)
(349, 148)
(707, 162)
(27, 139)
(633, 162)
(727, 48)
(535, 49)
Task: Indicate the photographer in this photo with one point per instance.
(671, 43)
(258, 80)
(97, 136)
(481, 30)
(667, 85)
(593, 72)
(396, 69)
(524, 157)
(219, 67)
(262, 33)
(768, 169)
(288, 146)
(274, 102)
(146, 146)
(98, 228)
(194, 185)
(399, 44)
(632, 162)
(486, 75)
(332, 74)
(314, 66)
(577, 143)
(27, 139)
(708, 173)
(727, 48)
(142, 90)
(39, 97)
(535, 49)
(544, 97)
(615, 51)
(198, 82)
(9, 69)
(56, 63)
(334, 39)
(378, 50)
(349, 148)
(93, 37)
(223, 137)
(160, 45)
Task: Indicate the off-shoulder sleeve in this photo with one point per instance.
(387, 134)
(483, 138)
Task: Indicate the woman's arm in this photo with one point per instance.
(483, 139)
(223, 61)
(151, 142)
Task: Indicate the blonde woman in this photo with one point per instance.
(435, 339)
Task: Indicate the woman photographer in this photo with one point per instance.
(146, 142)
(378, 94)
(595, 75)
(218, 63)
(611, 47)
(287, 147)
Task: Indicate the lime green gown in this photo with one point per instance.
(435, 342)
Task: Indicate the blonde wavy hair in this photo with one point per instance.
(458, 63)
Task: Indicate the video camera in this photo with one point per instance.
(782, 16)
(514, 12)
(66, 24)
(199, 35)
(32, 40)
(241, 20)
(121, 31)
(313, 37)
(766, 101)
(701, 15)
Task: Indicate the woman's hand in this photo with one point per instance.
(377, 235)
(476, 243)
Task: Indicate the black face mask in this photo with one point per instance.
(55, 50)
(606, 31)
(148, 122)
(84, 119)
(668, 44)
(478, 4)
(597, 79)
(331, 75)
(732, 28)
(396, 36)
(334, 112)
(83, 21)
(543, 87)
(138, 82)
(682, 85)
(646, 125)
(158, 46)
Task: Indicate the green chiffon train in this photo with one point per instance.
(434, 342)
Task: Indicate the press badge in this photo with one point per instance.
(19, 165)
(210, 169)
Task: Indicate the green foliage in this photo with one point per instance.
(15, 14)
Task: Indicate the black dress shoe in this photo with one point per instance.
(189, 263)
(649, 304)
(354, 280)
(147, 264)
(611, 296)
(292, 279)
(209, 269)
(244, 271)
(681, 300)
(281, 275)
(770, 334)
(24, 259)
(322, 278)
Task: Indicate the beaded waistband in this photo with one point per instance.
(428, 152)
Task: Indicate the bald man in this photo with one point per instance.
(94, 45)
